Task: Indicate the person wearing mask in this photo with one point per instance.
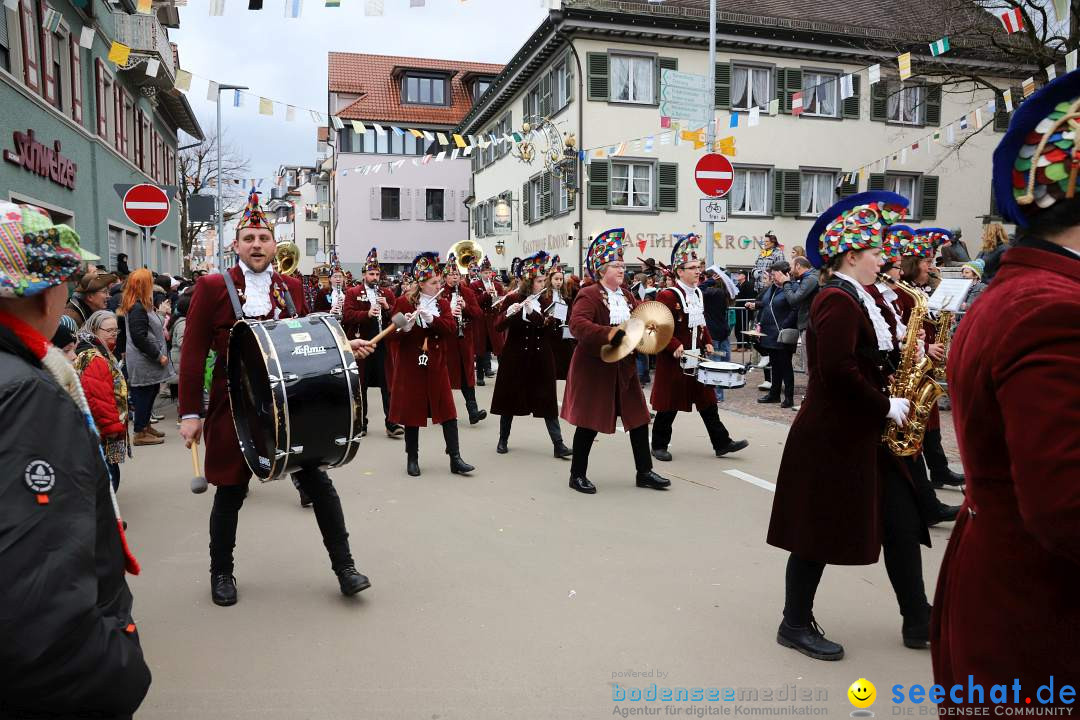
(777, 319)
(854, 498)
(771, 252)
(91, 294)
(70, 645)
(1006, 602)
(995, 241)
(105, 387)
(146, 355)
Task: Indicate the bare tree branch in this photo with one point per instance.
(199, 175)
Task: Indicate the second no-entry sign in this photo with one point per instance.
(714, 175)
(146, 205)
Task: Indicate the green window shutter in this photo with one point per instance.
(779, 82)
(723, 85)
(597, 66)
(876, 181)
(933, 105)
(526, 204)
(475, 223)
(599, 171)
(545, 95)
(667, 175)
(845, 189)
(787, 186)
(792, 85)
(879, 101)
(851, 104)
(545, 195)
(663, 63)
(928, 197)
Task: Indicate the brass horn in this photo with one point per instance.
(467, 252)
(287, 258)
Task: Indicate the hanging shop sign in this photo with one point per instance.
(48, 162)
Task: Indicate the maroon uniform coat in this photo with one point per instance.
(827, 505)
(209, 320)
(359, 324)
(460, 352)
(597, 391)
(1008, 594)
(526, 381)
(562, 348)
(322, 300)
(419, 393)
(672, 389)
(487, 338)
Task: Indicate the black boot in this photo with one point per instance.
(561, 451)
(809, 640)
(450, 435)
(475, 413)
(505, 423)
(916, 629)
(305, 501)
(945, 513)
(351, 580)
(223, 589)
(661, 454)
(412, 451)
(732, 446)
(555, 433)
(770, 398)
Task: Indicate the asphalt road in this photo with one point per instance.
(504, 594)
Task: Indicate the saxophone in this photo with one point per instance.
(913, 380)
(946, 326)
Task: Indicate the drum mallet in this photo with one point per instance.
(198, 482)
(397, 322)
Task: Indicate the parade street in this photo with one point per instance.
(504, 594)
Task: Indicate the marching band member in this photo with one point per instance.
(597, 392)
(366, 312)
(674, 391)
(421, 387)
(332, 300)
(1006, 604)
(526, 381)
(264, 295)
(854, 499)
(458, 346)
(487, 339)
(558, 300)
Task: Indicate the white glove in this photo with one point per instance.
(898, 410)
(425, 316)
(513, 309)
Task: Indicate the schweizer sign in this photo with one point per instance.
(146, 205)
(714, 175)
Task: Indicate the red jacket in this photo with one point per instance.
(672, 389)
(486, 336)
(526, 381)
(419, 392)
(97, 382)
(460, 351)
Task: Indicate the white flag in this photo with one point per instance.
(379, 129)
(152, 67)
(950, 134)
(454, 154)
(903, 156)
(212, 91)
(441, 156)
(337, 122)
(1006, 96)
(217, 7)
(755, 116)
(874, 73)
(86, 37)
(1070, 61)
(290, 113)
(428, 136)
(373, 7)
(847, 87)
(1051, 72)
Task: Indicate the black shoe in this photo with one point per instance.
(412, 466)
(582, 485)
(652, 480)
(945, 513)
(501, 447)
(561, 451)
(916, 629)
(477, 416)
(305, 500)
(810, 641)
(223, 589)
(661, 454)
(363, 431)
(480, 381)
(947, 477)
(489, 373)
(769, 399)
(732, 446)
(459, 466)
(787, 402)
(351, 580)
(394, 431)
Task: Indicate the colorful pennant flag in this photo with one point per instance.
(649, 144)
(373, 8)
(266, 106)
(1029, 86)
(755, 116)
(847, 87)
(459, 141)
(358, 127)
(145, 7)
(212, 92)
(950, 134)
(939, 47)
(379, 129)
(416, 133)
(665, 121)
(293, 8)
(238, 98)
(119, 53)
(964, 123)
(333, 3)
(774, 107)
(444, 142)
(978, 118)
(397, 131)
(337, 122)
(429, 136)
(1051, 72)
(217, 8)
(1007, 98)
(797, 103)
(1013, 20)
(904, 63)
(290, 113)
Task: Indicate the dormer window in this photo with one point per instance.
(480, 87)
(424, 89)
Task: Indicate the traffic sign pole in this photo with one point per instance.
(710, 129)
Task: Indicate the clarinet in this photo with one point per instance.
(460, 320)
(375, 304)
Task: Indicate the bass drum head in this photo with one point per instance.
(252, 398)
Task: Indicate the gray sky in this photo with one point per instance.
(285, 59)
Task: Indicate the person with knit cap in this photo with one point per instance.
(973, 270)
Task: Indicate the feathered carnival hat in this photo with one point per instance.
(515, 267)
(474, 269)
(35, 254)
(534, 265)
(556, 264)
(899, 239)
(605, 248)
(857, 222)
(1036, 163)
(253, 217)
(372, 262)
(485, 264)
(451, 265)
(685, 250)
(426, 266)
(927, 241)
(407, 278)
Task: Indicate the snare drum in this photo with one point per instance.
(721, 374)
(689, 363)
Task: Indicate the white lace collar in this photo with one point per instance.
(618, 309)
(257, 291)
(881, 326)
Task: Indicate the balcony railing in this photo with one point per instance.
(145, 36)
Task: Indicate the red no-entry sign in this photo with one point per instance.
(714, 175)
(146, 205)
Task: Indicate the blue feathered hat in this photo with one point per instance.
(857, 222)
(426, 266)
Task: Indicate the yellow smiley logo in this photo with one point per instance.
(862, 693)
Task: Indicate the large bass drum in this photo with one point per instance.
(294, 387)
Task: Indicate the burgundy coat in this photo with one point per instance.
(460, 353)
(526, 381)
(209, 320)
(1008, 594)
(595, 390)
(358, 324)
(419, 393)
(827, 505)
(322, 300)
(487, 338)
(563, 348)
(672, 389)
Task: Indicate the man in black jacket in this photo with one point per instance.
(69, 647)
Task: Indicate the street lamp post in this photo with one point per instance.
(220, 208)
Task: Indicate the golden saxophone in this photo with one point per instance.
(913, 380)
(946, 326)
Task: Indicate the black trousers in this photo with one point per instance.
(552, 423)
(718, 433)
(901, 535)
(934, 454)
(385, 392)
(782, 373)
(450, 436)
(483, 364)
(324, 500)
(925, 495)
(469, 393)
(583, 442)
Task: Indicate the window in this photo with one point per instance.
(820, 94)
(536, 199)
(106, 107)
(817, 192)
(5, 42)
(425, 90)
(750, 192)
(311, 246)
(397, 144)
(480, 88)
(631, 185)
(564, 195)
(750, 87)
(391, 203)
(905, 185)
(433, 201)
(55, 70)
(345, 140)
(632, 79)
(906, 105)
(532, 103)
(561, 85)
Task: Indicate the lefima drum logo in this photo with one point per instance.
(309, 350)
